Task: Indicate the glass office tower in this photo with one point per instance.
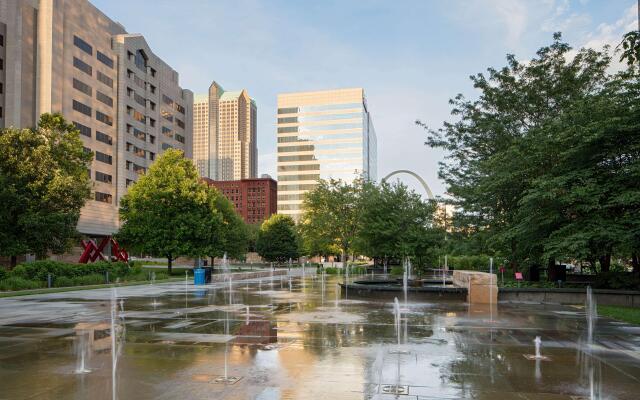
(322, 135)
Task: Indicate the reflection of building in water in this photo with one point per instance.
(256, 332)
(98, 334)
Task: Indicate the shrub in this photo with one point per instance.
(17, 283)
(3, 273)
(397, 270)
(333, 271)
(38, 270)
(616, 280)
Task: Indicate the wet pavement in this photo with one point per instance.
(295, 338)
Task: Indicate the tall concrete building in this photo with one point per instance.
(67, 56)
(322, 135)
(225, 134)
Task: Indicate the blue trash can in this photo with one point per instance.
(198, 276)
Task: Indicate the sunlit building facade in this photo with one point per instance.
(322, 135)
(67, 56)
(225, 134)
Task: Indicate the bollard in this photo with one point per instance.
(48, 280)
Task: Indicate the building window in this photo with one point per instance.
(104, 98)
(152, 88)
(104, 118)
(105, 79)
(152, 156)
(130, 182)
(105, 158)
(139, 99)
(152, 122)
(1, 112)
(82, 108)
(102, 177)
(82, 45)
(167, 100)
(166, 146)
(81, 86)
(82, 66)
(141, 61)
(180, 109)
(1, 88)
(84, 130)
(153, 72)
(1, 40)
(152, 105)
(167, 115)
(104, 138)
(179, 138)
(104, 197)
(152, 139)
(105, 59)
(180, 123)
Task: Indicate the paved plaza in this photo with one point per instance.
(301, 338)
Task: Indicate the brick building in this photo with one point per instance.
(255, 199)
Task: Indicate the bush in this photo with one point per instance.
(3, 273)
(472, 263)
(617, 280)
(38, 270)
(397, 270)
(17, 283)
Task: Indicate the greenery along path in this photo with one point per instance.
(626, 314)
(15, 293)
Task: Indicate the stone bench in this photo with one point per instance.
(481, 287)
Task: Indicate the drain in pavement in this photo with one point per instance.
(395, 389)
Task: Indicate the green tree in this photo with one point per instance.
(490, 167)
(278, 239)
(331, 216)
(234, 235)
(168, 212)
(631, 46)
(43, 186)
(396, 222)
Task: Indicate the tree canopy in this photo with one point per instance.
(278, 239)
(544, 163)
(331, 217)
(169, 212)
(396, 222)
(43, 185)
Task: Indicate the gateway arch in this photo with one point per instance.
(418, 177)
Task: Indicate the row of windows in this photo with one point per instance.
(82, 66)
(138, 169)
(303, 138)
(87, 48)
(84, 130)
(140, 134)
(304, 167)
(290, 129)
(104, 138)
(310, 118)
(104, 197)
(323, 107)
(285, 188)
(312, 147)
(309, 177)
(140, 152)
(317, 157)
(103, 98)
(104, 118)
(102, 177)
(285, 197)
(105, 158)
(105, 79)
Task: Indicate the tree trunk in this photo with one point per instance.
(169, 265)
(213, 259)
(14, 261)
(605, 262)
(635, 262)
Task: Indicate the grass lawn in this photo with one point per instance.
(626, 314)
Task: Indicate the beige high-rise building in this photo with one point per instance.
(322, 135)
(225, 134)
(67, 56)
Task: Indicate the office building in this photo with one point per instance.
(322, 135)
(225, 134)
(66, 56)
(254, 199)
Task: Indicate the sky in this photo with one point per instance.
(410, 57)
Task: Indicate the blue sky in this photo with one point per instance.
(411, 57)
